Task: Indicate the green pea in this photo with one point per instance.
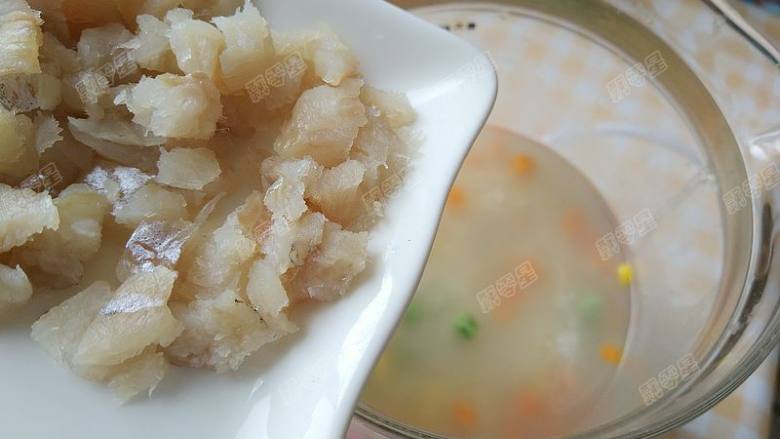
(466, 326)
(412, 315)
(589, 306)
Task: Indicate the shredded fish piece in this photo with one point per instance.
(194, 178)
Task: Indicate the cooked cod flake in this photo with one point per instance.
(220, 259)
(79, 207)
(373, 145)
(187, 168)
(329, 271)
(130, 179)
(137, 316)
(267, 294)
(20, 38)
(264, 277)
(116, 183)
(253, 216)
(324, 123)
(289, 244)
(15, 289)
(98, 44)
(16, 142)
(131, 303)
(47, 131)
(139, 374)
(61, 252)
(60, 330)
(25, 93)
(116, 130)
(158, 8)
(117, 141)
(213, 8)
(17, 93)
(150, 47)
(285, 196)
(336, 193)
(8, 6)
(178, 15)
(53, 15)
(308, 235)
(161, 243)
(154, 244)
(208, 209)
(101, 180)
(24, 213)
(333, 61)
(176, 106)
(219, 332)
(195, 43)
(285, 199)
(56, 59)
(48, 91)
(150, 203)
(393, 107)
(248, 50)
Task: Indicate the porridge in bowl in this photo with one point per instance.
(518, 325)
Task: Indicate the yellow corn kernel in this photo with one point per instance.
(625, 274)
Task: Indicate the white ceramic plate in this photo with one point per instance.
(306, 385)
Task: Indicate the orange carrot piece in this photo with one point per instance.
(523, 164)
(464, 414)
(572, 220)
(456, 197)
(503, 312)
(529, 404)
(610, 353)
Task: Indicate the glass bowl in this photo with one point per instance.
(671, 108)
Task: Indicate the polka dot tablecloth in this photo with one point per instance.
(745, 414)
(557, 68)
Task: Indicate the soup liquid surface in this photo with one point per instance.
(518, 324)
